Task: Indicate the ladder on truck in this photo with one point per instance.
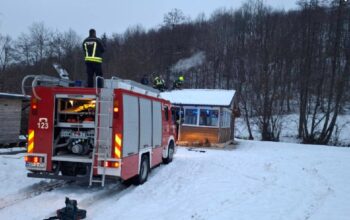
(103, 133)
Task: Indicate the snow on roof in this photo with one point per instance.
(207, 97)
(13, 96)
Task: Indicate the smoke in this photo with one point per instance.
(187, 63)
(1, 19)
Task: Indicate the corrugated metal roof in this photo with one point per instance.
(207, 97)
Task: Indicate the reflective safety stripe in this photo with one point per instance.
(117, 152)
(159, 81)
(30, 147)
(86, 50)
(94, 50)
(117, 146)
(94, 59)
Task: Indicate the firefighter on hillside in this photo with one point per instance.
(159, 83)
(178, 82)
(93, 49)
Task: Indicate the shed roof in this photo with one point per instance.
(205, 97)
(13, 96)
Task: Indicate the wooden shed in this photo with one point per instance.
(11, 106)
(206, 115)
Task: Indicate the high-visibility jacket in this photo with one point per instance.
(158, 81)
(178, 83)
(93, 49)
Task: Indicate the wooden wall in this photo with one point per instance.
(225, 135)
(204, 135)
(199, 134)
(10, 120)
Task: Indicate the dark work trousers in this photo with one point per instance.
(93, 68)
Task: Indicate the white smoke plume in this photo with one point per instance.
(187, 63)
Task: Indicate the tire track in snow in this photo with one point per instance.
(30, 192)
(112, 190)
(320, 197)
(115, 190)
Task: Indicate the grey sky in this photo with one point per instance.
(109, 16)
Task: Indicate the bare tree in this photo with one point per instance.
(24, 50)
(174, 17)
(323, 73)
(39, 39)
(5, 52)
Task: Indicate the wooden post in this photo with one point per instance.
(219, 121)
(180, 124)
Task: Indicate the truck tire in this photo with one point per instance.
(144, 170)
(171, 150)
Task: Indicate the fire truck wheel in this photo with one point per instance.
(144, 170)
(171, 150)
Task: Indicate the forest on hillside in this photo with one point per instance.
(278, 61)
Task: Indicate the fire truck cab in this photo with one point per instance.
(121, 130)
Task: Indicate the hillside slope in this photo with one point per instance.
(258, 180)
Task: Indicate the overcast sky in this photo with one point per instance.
(106, 16)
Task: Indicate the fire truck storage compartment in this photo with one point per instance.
(157, 124)
(145, 123)
(74, 132)
(142, 122)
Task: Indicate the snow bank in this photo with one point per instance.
(13, 175)
(258, 180)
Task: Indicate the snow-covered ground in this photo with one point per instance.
(289, 130)
(258, 180)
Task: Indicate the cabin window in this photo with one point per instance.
(208, 117)
(225, 119)
(202, 116)
(191, 115)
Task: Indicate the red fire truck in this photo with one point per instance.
(121, 130)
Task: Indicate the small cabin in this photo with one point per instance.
(11, 106)
(203, 116)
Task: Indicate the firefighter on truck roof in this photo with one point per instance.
(159, 83)
(93, 50)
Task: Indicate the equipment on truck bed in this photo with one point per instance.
(61, 72)
(121, 130)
